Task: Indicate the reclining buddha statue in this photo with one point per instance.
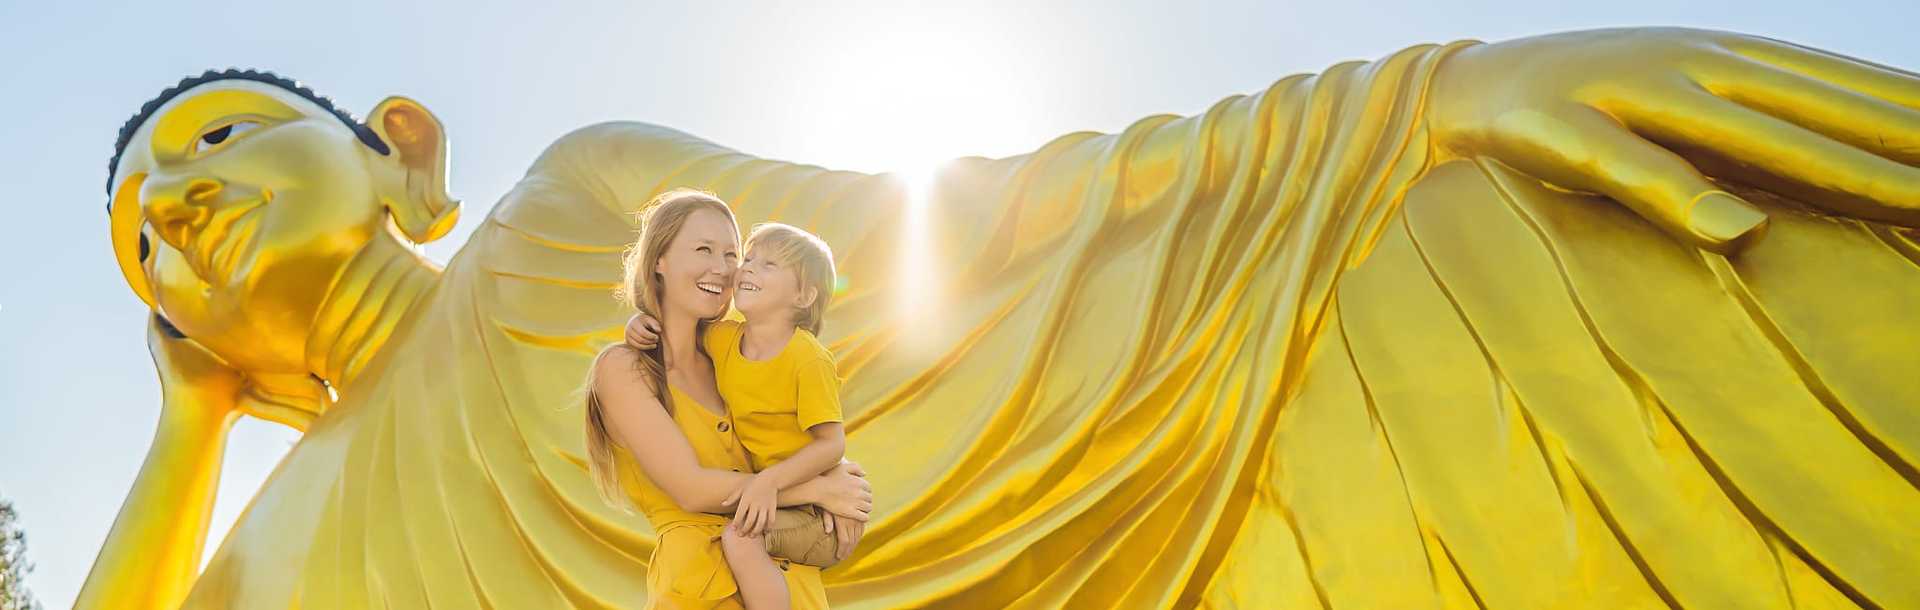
(1615, 318)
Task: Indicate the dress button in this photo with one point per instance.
(724, 426)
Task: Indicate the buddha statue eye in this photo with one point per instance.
(211, 139)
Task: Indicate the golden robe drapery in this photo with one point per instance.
(1279, 354)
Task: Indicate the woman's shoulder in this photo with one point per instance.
(616, 356)
(618, 366)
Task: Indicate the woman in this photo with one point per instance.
(658, 435)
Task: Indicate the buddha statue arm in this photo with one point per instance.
(152, 553)
(1649, 117)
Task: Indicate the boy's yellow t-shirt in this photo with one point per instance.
(774, 401)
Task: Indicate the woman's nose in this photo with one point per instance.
(178, 208)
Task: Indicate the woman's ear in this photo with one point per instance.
(413, 178)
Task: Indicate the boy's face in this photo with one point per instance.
(766, 286)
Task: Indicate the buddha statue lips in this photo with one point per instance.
(1611, 318)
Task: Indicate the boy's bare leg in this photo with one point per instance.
(762, 586)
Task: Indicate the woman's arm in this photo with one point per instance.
(842, 491)
(642, 425)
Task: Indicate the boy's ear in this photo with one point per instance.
(807, 297)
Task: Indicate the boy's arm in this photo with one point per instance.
(828, 446)
(817, 399)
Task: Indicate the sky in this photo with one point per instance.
(859, 85)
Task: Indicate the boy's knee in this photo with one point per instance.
(731, 540)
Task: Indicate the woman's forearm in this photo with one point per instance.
(801, 494)
(717, 485)
(710, 491)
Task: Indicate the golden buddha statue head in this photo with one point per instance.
(238, 198)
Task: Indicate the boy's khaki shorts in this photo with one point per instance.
(800, 535)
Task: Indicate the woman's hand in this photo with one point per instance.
(643, 332)
(753, 505)
(846, 531)
(844, 491)
(1630, 113)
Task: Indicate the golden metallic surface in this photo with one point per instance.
(1606, 319)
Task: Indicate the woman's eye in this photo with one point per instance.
(214, 138)
(703, 249)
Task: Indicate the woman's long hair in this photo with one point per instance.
(641, 288)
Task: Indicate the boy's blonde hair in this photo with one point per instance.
(809, 258)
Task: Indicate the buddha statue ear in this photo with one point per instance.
(412, 179)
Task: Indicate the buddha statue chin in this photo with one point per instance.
(1177, 304)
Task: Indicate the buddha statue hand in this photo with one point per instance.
(193, 381)
(1638, 114)
(198, 382)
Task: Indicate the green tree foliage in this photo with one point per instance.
(13, 563)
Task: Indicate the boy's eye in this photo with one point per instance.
(703, 249)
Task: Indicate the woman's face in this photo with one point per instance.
(696, 272)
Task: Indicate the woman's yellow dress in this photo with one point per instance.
(687, 569)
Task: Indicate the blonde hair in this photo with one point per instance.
(641, 288)
(811, 261)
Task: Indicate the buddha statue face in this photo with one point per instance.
(237, 202)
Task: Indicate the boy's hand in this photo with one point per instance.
(753, 505)
(643, 331)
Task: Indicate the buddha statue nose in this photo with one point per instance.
(179, 208)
